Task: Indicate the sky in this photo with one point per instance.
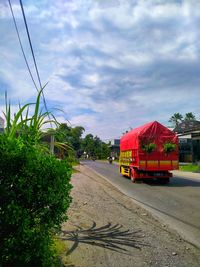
(111, 65)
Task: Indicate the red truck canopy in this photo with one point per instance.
(152, 131)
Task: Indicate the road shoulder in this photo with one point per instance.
(109, 229)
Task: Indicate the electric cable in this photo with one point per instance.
(35, 64)
(31, 47)
(22, 49)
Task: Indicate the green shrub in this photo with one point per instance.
(34, 196)
(169, 147)
(150, 147)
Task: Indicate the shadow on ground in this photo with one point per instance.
(174, 182)
(112, 237)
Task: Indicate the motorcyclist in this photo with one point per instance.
(110, 159)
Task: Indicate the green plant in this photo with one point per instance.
(149, 147)
(22, 123)
(26, 126)
(35, 194)
(60, 246)
(29, 128)
(169, 147)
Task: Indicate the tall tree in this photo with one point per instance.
(189, 116)
(175, 119)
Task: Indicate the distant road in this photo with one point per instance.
(176, 204)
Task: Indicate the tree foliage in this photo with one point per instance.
(91, 145)
(94, 147)
(34, 190)
(189, 116)
(177, 118)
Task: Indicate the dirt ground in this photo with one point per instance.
(105, 228)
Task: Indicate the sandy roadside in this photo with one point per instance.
(106, 228)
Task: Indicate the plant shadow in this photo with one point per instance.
(108, 236)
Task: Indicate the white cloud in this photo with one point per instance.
(136, 58)
(91, 79)
(18, 88)
(111, 64)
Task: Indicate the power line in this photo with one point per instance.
(34, 59)
(14, 20)
(30, 43)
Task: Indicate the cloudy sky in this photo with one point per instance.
(110, 64)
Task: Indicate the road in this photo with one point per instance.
(176, 204)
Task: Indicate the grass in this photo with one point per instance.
(190, 168)
(60, 248)
(75, 170)
(75, 163)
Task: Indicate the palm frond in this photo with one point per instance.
(63, 145)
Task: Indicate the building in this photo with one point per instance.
(115, 148)
(189, 140)
(1, 125)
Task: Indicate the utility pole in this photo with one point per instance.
(52, 144)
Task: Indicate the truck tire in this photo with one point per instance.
(133, 179)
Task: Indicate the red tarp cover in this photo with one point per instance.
(152, 131)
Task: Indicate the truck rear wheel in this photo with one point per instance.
(132, 174)
(133, 179)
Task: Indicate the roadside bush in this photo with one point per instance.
(169, 147)
(150, 147)
(34, 196)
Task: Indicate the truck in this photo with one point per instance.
(149, 152)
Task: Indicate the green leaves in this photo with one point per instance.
(35, 195)
(35, 188)
(189, 116)
(94, 147)
(26, 126)
(169, 147)
(149, 147)
(177, 118)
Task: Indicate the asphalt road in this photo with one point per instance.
(176, 204)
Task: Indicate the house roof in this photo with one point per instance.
(187, 126)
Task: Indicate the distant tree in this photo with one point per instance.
(76, 134)
(65, 133)
(189, 116)
(88, 144)
(175, 119)
(105, 150)
(94, 147)
(72, 136)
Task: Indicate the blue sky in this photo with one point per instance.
(110, 64)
